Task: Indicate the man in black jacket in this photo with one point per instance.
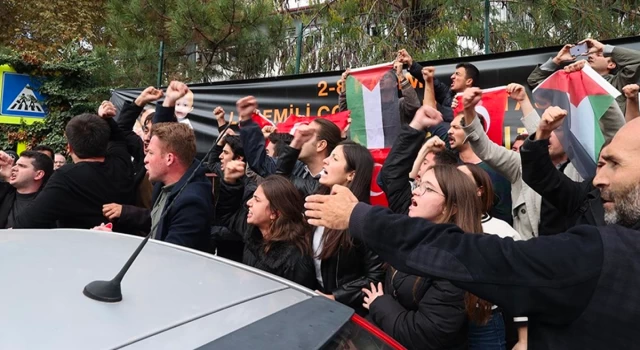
(101, 174)
(22, 183)
(578, 288)
(309, 155)
(579, 203)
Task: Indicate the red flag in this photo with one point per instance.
(261, 120)
(288, 126)
(377, 195)
(491, 108)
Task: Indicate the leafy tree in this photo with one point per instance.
(45, 27)
(70, 87)
(350, 33)
(203, 40)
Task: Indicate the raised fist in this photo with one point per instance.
(428, 73)
(268, 130)
(233, 171)
(218, 112)
(631, 91)
(404, 57)
(471, 97)
(435, 144)
(551, 119)
(148, 95)
(107, 110)
(303, 134)
(175, 91)
(426, 117)
(517, 92)
(5, 159)
(246, 106)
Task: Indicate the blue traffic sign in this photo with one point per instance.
(20, 97)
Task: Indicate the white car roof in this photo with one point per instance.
(43, 274)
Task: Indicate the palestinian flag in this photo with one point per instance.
(586, 96)
(491, 108)
(341, 119)
(372, 97)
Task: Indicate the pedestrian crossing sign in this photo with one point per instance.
(19, 98)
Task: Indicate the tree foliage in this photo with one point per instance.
(203, 40)
(70, 87)
(45, 27)
(348, 33)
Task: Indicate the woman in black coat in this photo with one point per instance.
(345, 265)
(425, 313)
(276, 233)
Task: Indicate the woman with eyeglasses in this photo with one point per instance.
(429, 313)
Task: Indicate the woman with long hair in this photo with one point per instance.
(490, 224)
(276, 238)
(429, 313)
(344, 265)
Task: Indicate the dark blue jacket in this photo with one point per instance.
(188, 222)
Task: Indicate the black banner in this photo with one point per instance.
(317, 94)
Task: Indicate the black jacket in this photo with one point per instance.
(75, 193)
(394, 175)
(421, 313)
(288, 166)
(283, 259)
(347, 272)
(7, 197)
(577, 287)
(579, 202)
(255, 153)
(443, 94)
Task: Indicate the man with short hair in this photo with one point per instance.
(101, 173)
(465, 76)
(578, 288)
(45, 150)
(617, 65)
(459, 142)
(170, 162)
(23, 183)
(59, 160)
(300, 160)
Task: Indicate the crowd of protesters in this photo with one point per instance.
(481, 247)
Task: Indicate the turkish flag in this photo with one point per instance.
(491, 108)
(341, 119)
(377, 195)
(261, 120)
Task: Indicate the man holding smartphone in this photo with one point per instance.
(617, 65)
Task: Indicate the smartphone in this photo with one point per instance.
(579, 50)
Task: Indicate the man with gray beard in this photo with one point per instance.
(578, 288)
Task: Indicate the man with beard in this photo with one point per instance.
(459, 142)
(24, 180)
(578, 288)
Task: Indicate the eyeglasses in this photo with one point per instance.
(425, 188)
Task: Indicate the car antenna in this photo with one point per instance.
(110, 291)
